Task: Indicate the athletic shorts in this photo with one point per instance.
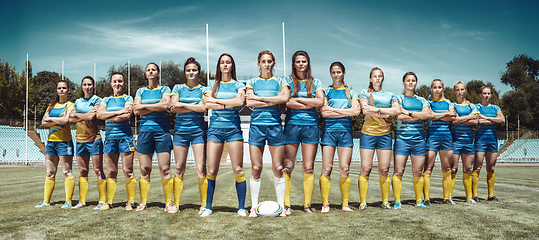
(439, 144)
(150, 142)
(337, 139)
(59, 148)
(383, 142)
(184, 138)
(222, 135)
(410, 147)
(259, 134)
(113, 146)
(89, 148)
(486, 147)
(308, 134)
(463, 148)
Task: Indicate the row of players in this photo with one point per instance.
(302, 94)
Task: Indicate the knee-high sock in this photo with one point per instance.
(49, 188)
(178, 188)
(102, 189)
(168, 188)
(446, 184)
(112, 183)
(426, 186)
(279, 184)
(211, 190)
(475, 182)
(490, 183)
(241, 189)
(344, 185)
(467, 182)
(397, 186)
(308, 188)
(363, 187)
(131, 187)
(325, 184)
(385, 184)
(418, 188)
(255, 190)
(144, 189)
(69, 184)
(288, 187)
(83, 189)
(203, 189)
(453, 176)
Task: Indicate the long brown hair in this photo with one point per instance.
(340, 65)
(219, 74)
(371, 87)
(57, 99)
(268, 52)
(308, 76)
(89, 78)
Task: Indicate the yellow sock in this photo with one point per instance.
(363, 187)
(467, 182)
(446, 184)
(131, 187)
(69, 184)
(102, 189)
(144, 189)
(397, 186)
(178, 188)
(475, 182)
(418, 188)
(83, 189)
(203, 189)
(49, 187)
(112, 183)
(385, 184)
(308, 188)
(168, 187)
(453, 176)
(287, 188)
(344, 184)
(490, 182)
(325, 184)
(426, 186)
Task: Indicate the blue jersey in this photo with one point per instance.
(411, 130)
(337, 98)
(438, 129)
(266, 88)
(117, 130)
(226, 118)
(375, 126)
(462, 132)
(191, 120)
(60, 133)
(487, 133)
(87, 131)
(155, 121)
(303, 116)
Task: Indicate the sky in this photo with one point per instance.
(449, 40)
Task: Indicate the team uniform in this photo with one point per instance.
(225, 127)
(486, 140)
(463, 141)
(190, 129)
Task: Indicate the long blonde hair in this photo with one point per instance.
(464, 85)
(438, 80)
(308, 77)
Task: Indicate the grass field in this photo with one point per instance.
(516, 216)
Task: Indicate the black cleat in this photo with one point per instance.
(476, 199)
(427, 203)
(493, 198)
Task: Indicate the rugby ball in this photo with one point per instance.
(268, 209)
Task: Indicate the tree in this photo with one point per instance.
(521, 71)
(12, 100)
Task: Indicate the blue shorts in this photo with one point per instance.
(113, 146)
(150, 142)
(222, 135)
(463, 148)
(337, 139)
(258, 134)
(308, 134)
(410, 147)
(184, 138)
(59, 148)
(486, 147)
(89, 148)
(439, 144)
(383, 142)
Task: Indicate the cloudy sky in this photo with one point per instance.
(450, 40)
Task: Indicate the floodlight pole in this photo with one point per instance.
(26, 109)
(160, 72)
(284, 54)
(62, 70)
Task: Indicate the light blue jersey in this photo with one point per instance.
(487, 133)
(438, 129)
(266, 88)
(462, 132)
(87, 130)
(226, 118)
(411, 130)
(155, 121)
(377, 126)
(336, 98)
(117, 130)
(303, 116)
(192, 120)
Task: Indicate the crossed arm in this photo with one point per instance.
(499, 119)
(252, 100)
(145, 109)
(307, 103)
(214, 103)
(179, 107)
(116, 116)
(49, 121)
(424, 114)
(373, 111)
(331, 112)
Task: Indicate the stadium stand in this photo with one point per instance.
(13, 146)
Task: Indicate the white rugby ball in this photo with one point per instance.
(268, 209)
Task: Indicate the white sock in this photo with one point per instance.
(279, 185)
(255, 190)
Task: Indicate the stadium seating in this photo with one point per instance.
(13, 141)
(522, 150)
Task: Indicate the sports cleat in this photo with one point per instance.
(242, 213)
(253, 213)
(347, 209)
(470, 200)
(202, 209)
(363, 206)
(325, 208)
(427, 203)
(174, 209)
(99, 205)
(206, 213)
(79, 205)
(141, 207)
(308, 209)
(129, 206)
(167, 207)
(397, 205)
(67, 204)
(107, 206)
(493, 198)
(43, 204)
(421, 204)
(449, 202)
(287, 210)
(476, 199)
(386, 205)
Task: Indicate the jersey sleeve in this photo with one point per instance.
(353, 95)
(166, 90)
(474, 108)
(498, 110)
(104, 101)
(317, 85)
(393, 98)
(71, 105)
(128, 99)
(364, 96)
(400, 98)
(283, 83)
(239, 86)
(451, 104)
(176, 90)
(326, 92)
(250, 83)
(424, 102)
(139, 93)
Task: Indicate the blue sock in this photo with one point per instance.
(211, 189)
(241, 189)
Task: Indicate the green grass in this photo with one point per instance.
(516, 216)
